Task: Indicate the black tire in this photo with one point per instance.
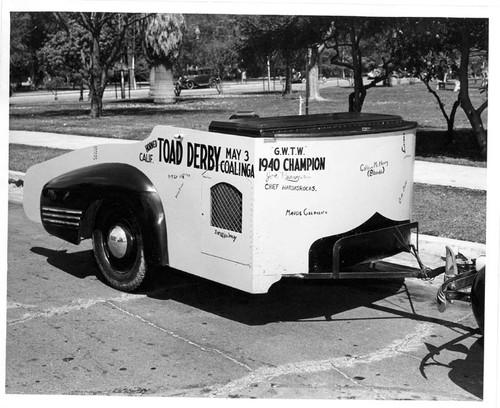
(477, 298)
(190, 85)
(119, 247)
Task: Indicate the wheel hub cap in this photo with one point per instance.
(118, 241)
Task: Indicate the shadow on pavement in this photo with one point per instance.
(287, 300)
(81, 265)
(467, 373)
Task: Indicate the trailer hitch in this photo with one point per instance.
(459, 276)
(425, 273)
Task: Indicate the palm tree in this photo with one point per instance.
(162, 41)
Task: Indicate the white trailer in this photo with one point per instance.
(244, 204)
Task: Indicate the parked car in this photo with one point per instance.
(198, 78)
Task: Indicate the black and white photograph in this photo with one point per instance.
(223, 202)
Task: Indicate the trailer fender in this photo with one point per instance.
(84, 192)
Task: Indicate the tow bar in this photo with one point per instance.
(464, 280)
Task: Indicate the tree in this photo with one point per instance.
(102, 38)
(473, 34)
(352, 40)
(433, 46)
(210, 41)
(260, 42)
(287, 38)
(28, 32)
(314, 33)
(162, 40)
(61, 57)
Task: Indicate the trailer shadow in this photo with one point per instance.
(287, 300)
(78, 264)
(292, 300)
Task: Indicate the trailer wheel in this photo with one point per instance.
(477, 299)
(119, 247)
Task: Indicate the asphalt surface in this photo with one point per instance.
(68, 333)
(228, 88)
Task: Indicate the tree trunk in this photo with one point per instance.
(81, 91)
(474, 115)
(314, 94)
(152, 82)
(287, 86)
(164, 91)
(476, 123)
(96, 94)
(97, 83)
(450, 120)
(357, 97)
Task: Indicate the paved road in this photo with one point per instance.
(69, 333)
(112, 94)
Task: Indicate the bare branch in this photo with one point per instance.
(84, 20)
(481, 109)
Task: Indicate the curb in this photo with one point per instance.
(436, 245)
(16, 174)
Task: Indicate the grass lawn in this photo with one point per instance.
(442, 211)
(450, 212)
(22, 157)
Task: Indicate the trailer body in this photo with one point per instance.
(246, 203)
